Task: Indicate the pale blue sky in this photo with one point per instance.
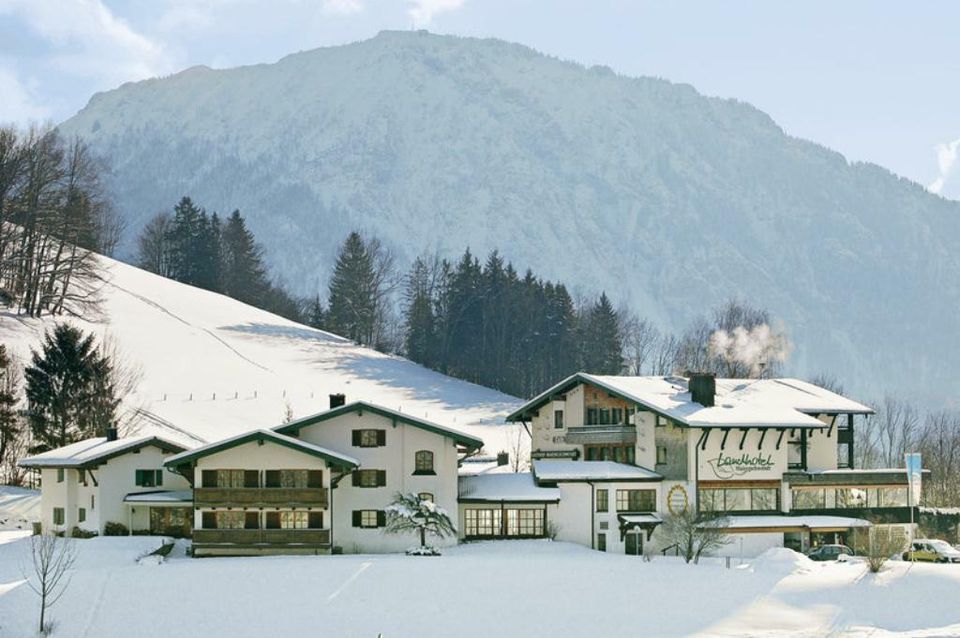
(878, 81)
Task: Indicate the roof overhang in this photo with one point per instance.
(263, 436)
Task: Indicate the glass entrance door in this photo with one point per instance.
(634, 543)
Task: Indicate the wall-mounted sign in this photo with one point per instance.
(729, 466)
(555, 454)
(677, 500)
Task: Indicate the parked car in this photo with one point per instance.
(932, 550)
(830, 552)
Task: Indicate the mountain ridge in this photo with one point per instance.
(669, 200)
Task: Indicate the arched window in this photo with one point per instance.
(425, 496)
(423, 462)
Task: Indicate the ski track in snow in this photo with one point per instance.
(363, 567)
(161, 422)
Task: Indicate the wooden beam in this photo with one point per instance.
(703, 439)
(780, 438)
(763, 434)
(744, 437)
(723, 441)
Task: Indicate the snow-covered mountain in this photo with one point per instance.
(211, 367)
(667, 199)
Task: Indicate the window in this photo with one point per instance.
(230, 520)
(423, 462)
(592, 416)
(618, 453)
(616, 416)
(369, 518)
(369, 438)
(92, 501)
(369, 478)
(604, 416)
(739, 500)
(636, 500)
(892, 497)
(602, 542)
(293, 478)
(251, 520)
(81, 515)
(851, 497)
(558, 419)
(527, 522)
(763, 499)
(58, 516)
(603, 500)
(59, 475)
(294, 520)
(809, 499)
(660, 422)
(231, 478)
(425, 496)
(148, 478)
(482, 522)
(661, 454)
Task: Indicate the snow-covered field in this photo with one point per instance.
(19, 507)
(515, 588)
(212, 367)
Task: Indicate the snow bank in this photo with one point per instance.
(781, 560)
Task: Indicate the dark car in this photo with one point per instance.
(830, 552)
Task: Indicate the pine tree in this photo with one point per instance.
(9, 420)
(602, 345)
(242, 274)
(420, 324)
(313, 313)
(70, 390)
(353, 304)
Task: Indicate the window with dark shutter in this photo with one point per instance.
(357, 518)
(251, 478)
(273, 520)
(209, 478)
(251, 520)
(271, 478)
(355, 439)
(138, 477)
(381, 518)
(159, 478)
(209, 520)
(315, 520)
(81, 515)
(423, 462)
(315, 478)
(381, 478)
(381, 437)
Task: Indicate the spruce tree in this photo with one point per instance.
(352, 306)
(70, 391)
(420, 324)
(9, 420)
(242, 274)
(602, 345)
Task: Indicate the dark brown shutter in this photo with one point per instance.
(159, 478)
(357, 518)
(314, 478)
(251, 478)
(273, 520)
(272, 478)
(315, 520)
(381, 478)
(355, 478)
(356, 438)
(381, 437)
(251, 520)
(209, 520)
(209, 478)
(381, 518)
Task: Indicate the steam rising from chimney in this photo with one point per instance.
(755, 348)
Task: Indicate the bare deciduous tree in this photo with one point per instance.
(49, 573)
(640, 338)
(695, 535)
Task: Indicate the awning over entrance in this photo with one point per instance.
(170, 498)
(645, 522)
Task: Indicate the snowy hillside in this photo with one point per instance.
(667, 199)
(212, 367)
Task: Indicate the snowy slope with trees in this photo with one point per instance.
(208, 366)
(668, 200)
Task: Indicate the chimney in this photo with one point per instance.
(703, 387)
(111, 434)
(503, 458)
(336, 400)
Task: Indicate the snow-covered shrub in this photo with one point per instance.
(410, 513)
(115, 529)
(76, 532)
(423, 551)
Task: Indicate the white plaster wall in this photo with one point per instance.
(117, 478)
(397, 459)
(821, 448)
(646, 453)
(751, 447)
(54, 494)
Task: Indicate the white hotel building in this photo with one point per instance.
(612, 457)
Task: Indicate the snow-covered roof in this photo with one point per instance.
(161, 496)
(462, 438)
(738, 402)
(262, 435)
(808, 522)
(96, 450)
(563, 470)
(513, 487)
(640, 519)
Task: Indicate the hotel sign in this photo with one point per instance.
(555, 454)
(745, 465)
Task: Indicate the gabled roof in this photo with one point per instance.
(92, 452)
(738, 403)
(508, 487)
(331, 457)
(552, 471)
(466, 440)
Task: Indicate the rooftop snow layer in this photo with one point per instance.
(261, 434)
(562, 470)
(810, 522)
(92, 450)
(162, 496)
(515, 487)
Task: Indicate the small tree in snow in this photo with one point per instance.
(48, 576)
(410, 513)
(695, 535)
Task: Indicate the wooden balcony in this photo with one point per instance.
(260, 497)
(261, 536)
(600, 434)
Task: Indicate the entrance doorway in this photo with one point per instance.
(634, 543)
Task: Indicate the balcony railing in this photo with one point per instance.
(260, 497)
(591, 434)
(262, 536)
